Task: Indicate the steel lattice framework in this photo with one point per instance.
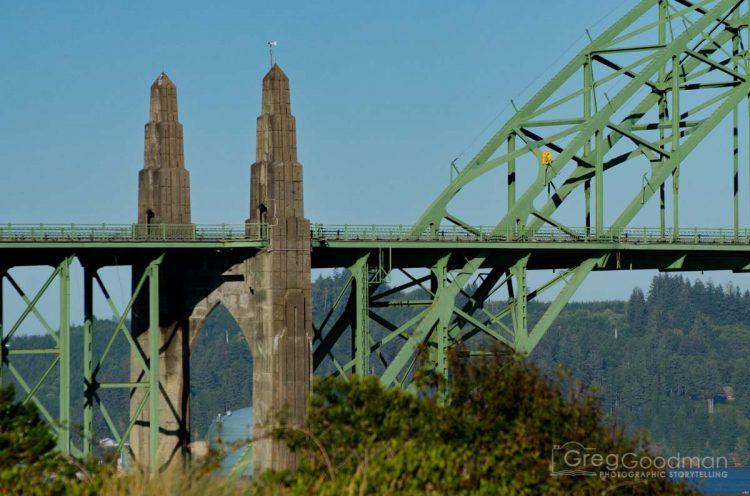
(675, 69)
(681, 68)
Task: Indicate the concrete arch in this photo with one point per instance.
(236, 298)
(207, 350)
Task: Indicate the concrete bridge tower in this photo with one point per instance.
(163, 198)
(163, 183)
(267, 292)
(282, 327)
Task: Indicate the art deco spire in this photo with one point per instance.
(163, 132)
(164, 183)
(277, 140)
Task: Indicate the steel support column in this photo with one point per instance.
(438, 281)
(588, 81)
(663, 15)
(3, 352)
(511, 172)
(154, 337)
(63, 435)
(88, 359)
(361, 334)
(519, 302)
(735, 136)
(676, 142)
(599, 184)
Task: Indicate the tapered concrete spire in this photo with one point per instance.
(276, 176)
(163, 198)
(280, 278)
(277, 133)
(163, 100)
(164, 183)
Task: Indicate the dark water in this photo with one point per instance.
(717, 481)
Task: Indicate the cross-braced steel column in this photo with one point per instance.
(154, 337)
(361, 295)
(88, 358)
(63, 438)
(3, 348)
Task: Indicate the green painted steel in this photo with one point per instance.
(88, 360)
(59, 354)
(361, 292)
(63, 437)
(328, 234)
(674, 47)
(3, 347)
(154, 339)
(70, 380)
(127, 233)
(471, 282)
(689, 41)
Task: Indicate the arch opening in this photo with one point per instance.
(221, 381)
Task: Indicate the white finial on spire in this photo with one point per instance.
(271, 44)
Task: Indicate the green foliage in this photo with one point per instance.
(490, 431)
(28, 462)
(658, 359)
(653, 360)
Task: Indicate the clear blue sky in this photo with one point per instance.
(385, 93)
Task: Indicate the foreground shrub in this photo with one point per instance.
(28, 462)
(491, 431)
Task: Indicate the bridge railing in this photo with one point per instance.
(132, 232)
(350, 232)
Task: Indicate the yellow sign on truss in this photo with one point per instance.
(546, 158)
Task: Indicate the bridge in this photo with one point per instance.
(640, 96)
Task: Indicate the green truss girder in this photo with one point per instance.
(675, 47)
(647, 118)
(61, 352)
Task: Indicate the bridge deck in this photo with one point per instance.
(396, 246)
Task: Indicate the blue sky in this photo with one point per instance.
(382, 92)
(386, 95)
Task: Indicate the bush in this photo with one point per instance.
(490, 431)
(28, 462)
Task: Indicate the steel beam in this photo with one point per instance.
(88, 358)
(63, 435)
(361, 330)
(154, 338)
(3, 347)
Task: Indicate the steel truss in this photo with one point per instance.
(679, 68)
(93, 365)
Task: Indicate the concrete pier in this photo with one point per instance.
(267, 292)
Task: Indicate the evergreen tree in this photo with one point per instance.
(637, 314)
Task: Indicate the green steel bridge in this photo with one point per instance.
(642, 95)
